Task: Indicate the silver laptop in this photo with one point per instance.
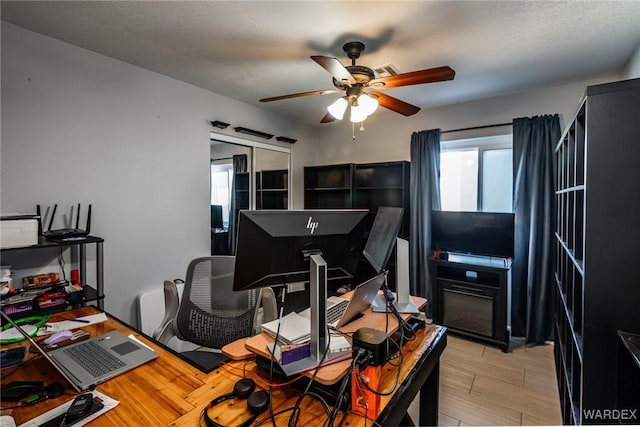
(95, 360)
(341, 311)
(296, 327)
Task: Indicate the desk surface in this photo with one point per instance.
(333, 373)
(169, 391)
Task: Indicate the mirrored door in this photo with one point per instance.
(244, 175)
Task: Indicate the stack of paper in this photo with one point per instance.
(294, 329)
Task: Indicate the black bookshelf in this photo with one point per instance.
(597, 230)
(272, 189)
(361, 186)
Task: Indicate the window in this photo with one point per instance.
(221, 179)
(477, 174)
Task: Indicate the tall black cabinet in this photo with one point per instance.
(361, 186)
(597, 234)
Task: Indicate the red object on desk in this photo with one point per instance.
(364, 401)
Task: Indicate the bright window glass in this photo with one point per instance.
(497, 180)
(459, 180)
(477, 174)
(221, 179)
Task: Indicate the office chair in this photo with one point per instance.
(210, 314)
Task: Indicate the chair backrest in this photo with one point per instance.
(211, 314)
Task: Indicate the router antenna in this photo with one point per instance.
(78, 217)
(53, 214)
(88, 230)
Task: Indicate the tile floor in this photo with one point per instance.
(480, 385)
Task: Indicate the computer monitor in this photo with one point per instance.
(382, 237)
(276, 247)
(216, 216)
(273, 246)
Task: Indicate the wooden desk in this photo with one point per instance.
(333, 373)
(169, 391)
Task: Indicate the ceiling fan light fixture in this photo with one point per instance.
(358, 113)
(368, 103)
(337, 108)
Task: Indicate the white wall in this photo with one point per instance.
(632, 69)
(82, 127)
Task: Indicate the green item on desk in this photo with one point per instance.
(9, 336)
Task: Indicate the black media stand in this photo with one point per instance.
(472, 297)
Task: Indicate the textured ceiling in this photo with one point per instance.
(249, 50)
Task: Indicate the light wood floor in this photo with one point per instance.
(480, 385)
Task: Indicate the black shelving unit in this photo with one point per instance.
(628, 394)
(383, 184)
(89, 294)
(241, 196)
(328, 187)
(597, 230)
(272, 189)
(361, 186)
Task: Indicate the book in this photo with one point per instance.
(289, 353)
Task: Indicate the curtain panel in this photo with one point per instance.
(424, 193)
(533, 293)
(239, 166)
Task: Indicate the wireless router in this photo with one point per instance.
(66, 233)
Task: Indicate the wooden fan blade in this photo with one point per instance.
(395, 104)
(328, 118)
(301, 94)
(431, 75)
(335, 68)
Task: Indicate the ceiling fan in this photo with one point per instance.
(362, 89)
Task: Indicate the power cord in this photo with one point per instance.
(293, 419)
(272, 352)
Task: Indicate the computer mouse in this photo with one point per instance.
(58, 337)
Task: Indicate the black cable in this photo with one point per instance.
(341, 391)
(61, 263)
(393, 388)
(12, 407)
(293, 419)
(272, 352)
(272, 417)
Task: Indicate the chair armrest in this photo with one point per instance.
(165, 331)
(269, 305)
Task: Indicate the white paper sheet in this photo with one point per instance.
(108, 403)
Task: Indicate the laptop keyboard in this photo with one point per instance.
(335, 312)
(95, 359)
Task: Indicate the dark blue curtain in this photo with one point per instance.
(239, 166)
(424, 193)
(533, 293)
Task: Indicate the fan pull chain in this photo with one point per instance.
(353, 131)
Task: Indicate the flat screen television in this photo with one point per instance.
(477, 233)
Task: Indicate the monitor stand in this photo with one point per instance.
(402, 303)
(319, 339)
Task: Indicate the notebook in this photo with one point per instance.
(95, 360)
(296, 327)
